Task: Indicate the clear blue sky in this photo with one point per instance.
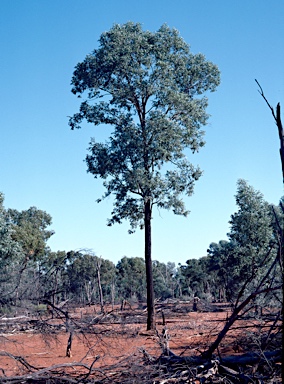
(42, 159)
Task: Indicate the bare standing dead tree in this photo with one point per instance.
(277, 118)
(68, 325)
(267, 283)
(98, 268)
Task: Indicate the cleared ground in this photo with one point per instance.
(29, 342)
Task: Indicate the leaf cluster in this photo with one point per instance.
(148, 87)
(243, 259)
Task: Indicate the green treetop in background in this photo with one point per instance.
(251, 247)
(149, 87)
(8, 246)
(30, 231)
(10, 250)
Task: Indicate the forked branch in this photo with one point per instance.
(277, 118)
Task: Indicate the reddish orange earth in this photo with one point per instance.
(189, 333)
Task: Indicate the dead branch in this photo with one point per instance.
(90, 369)
(272, 327)
(277, 118)
(163, 340)
(21, 360)
(245, 359)
(49, 373)
(240, 307)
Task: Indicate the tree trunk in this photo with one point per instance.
(112, 294)
(277, 118)
(148, 262)
(69, 345)
(249, 358)
(281, 136)
(99, 263)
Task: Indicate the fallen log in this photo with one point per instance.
(254, 357)
(233, 360)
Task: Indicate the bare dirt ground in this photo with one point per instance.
(108, 339)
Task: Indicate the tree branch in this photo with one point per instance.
(277, 118)
(235, 315)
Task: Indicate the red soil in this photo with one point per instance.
(189, 333)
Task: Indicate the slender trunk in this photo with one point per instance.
(38, 284)
(100, 285)
(281, 136)
(112, 294)
(54, 289)
(88, 291)
(148, 262)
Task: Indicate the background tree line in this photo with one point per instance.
(31, 273)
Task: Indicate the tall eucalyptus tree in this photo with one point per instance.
(149, 87)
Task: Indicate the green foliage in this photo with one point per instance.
(131, 280)
(242, 259)
(251, 233)
(221, 262)
(164, 279)
(10, 252)
(52, 275)
(23, 237)
(235, 266)
(82, 276)
(30, 230)
(148, 86)
(251, 246)
(195, 277)
(9, 248)
(251, 224)
(232, 269)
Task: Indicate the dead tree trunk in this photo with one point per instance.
(281, 136)
(98, 266)
(68, 325)
(277, 118)
(69, 345)
(112, 293)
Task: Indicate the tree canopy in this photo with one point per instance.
(252, 242)
(30, 230)
(149, 87)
